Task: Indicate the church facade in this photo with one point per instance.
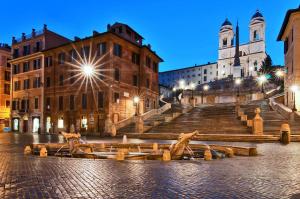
(250, 55)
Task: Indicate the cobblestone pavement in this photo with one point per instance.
(273, 174)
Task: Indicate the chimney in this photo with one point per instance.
(45, 27)
(33, 32)
(108, 27)
(14, 40)
(95, 32)
(76, 38)
(23, 36)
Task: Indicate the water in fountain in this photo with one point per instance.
(188, 148)
(124, 139)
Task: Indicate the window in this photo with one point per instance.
(286, 45)
(116, 97)
(255, 65)
(61, 80)
(16, 68)
(134, 80)
(205, 71)
(48, 82)
(7, 89)
(7, 76)
(117, 74)
(26, 50)
(225, 42)
(60, 123)
(37, 47)
(7, 103)
(147, 103)
(25, 104)
(101, 49)
(60, 103)
(17, 85)
(26, 84)
(84, 101)
(85, 51)
(255, 36)
(205, 78)
(100, 100)
(15, 105)
(72, 102)
(147, 83)
(48, 103)
(16, 53)
(118, 50)
(72, 79)
(148, 62)
(37, 82)
(36, 103)
(135, 58)
(36, 64)
(72, 55)
(61, 58)
(155, 67)
(48, 61)
(25, 67)
(120, 29)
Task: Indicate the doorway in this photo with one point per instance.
(35, 124)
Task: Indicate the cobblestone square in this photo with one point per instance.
(272, 174)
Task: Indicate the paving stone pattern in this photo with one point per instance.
(273, 174)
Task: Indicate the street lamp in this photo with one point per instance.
(294, 89)
(279, 73)
(136, 101)
(192, 88)
(182, 86)
(88, 69)
(262, 80)
(250, 70)
(205, 88)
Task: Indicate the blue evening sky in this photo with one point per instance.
(183, 33)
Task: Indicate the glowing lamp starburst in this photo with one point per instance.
(88, 70)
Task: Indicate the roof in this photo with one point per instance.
(118, 23)
(101, 34)
(257, 15)
(285, 21)
(209, 63)
(226, 23)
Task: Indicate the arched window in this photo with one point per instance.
(255, 35)
(225, 42)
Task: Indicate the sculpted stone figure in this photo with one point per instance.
(182, 142)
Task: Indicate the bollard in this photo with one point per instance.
(258, 127)
(166, 155)
(155, 147)
(27, 150)
(229, 152)
(43, 152)
(207, 155)
(285, 134)
(120, 155)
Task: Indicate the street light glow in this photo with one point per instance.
(205, 87)
(88, 70)
(174, 89)
(294, 88)
(193, 86)
(238, 81)
(136, 99)
(262, 79)
(182, 84)
(279, 73)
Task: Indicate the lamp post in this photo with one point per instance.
(136, 101)
(205, 88)
(182, 86)
(262, 80)
(174, 94)
(294, 89)
(192, 88)
(238, 82)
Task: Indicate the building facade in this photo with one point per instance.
(27, 67)
(88, 81)
(4, 86)
(251, 55)
(290, 35)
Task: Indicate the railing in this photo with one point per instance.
(280, 108)
(145, 116)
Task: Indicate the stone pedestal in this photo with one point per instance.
(43, 152)
(139, 124)
(207, 155)
(258, 127)
(166, 155)
(285, 134)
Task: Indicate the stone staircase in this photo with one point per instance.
(218, 119)
(272, 119)
(167, 116)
